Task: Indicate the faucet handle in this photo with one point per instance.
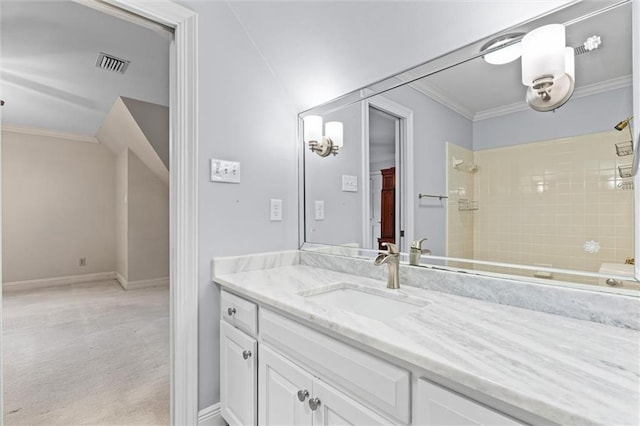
(393, 249)
(417, 244)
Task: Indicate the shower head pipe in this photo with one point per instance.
(623, 124)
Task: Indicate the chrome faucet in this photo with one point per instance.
(416, 251)
(392, 258)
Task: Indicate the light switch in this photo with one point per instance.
(319, 209)
(225, 171)
(276, 210)
(349, 183)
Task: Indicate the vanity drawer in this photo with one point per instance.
(239, 312)
(375, 382)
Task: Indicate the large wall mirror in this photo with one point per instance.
(452, 152)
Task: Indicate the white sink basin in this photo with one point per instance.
(378, 304)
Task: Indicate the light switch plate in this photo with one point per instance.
(349, 183)
(225, 171)
(276, 210)
(319, 210)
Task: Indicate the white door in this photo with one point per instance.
(437, 406)
(238, 387)
(283, 391)
(335, 408)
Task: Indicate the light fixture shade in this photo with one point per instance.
(312, 128)
(543, 53)
(504, 55)
(333, 130)
(507, 48)
(570, 62)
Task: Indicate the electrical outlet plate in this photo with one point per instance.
(319, 210)
(349, 183)
(225, 171)
(276, 210)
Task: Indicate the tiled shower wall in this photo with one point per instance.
(460, 185)
(539, 203)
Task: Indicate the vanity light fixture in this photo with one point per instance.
(332, 140)
(548, 67)
(499, 55)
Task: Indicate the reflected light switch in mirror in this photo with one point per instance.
(319, 209)
(349, 183)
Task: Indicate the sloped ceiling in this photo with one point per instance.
(49, 78)
(125, 128)
(153, 120)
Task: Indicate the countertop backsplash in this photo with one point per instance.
(601, 307)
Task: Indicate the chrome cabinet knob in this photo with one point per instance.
(303, 394)
(246, 354)
(231, 311)
(612, 282)
(314, 403)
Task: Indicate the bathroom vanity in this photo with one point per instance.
(305, 344)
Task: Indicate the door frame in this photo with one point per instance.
(404, 163)
(183, 200)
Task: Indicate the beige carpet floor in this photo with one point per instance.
(86, 354)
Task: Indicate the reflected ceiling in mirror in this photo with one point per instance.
(504, 189)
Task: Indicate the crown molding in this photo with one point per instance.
(604, 86)
(49, 133)
(442, 99)
(438, 96)
(580, 92)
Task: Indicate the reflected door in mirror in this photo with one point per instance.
(388, 207)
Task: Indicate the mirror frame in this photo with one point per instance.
(565, 14)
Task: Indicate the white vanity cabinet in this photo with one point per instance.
(288, 395)
(284, 390)
(238, 361)
(304, 377)
(439, 406)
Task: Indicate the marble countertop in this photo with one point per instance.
(566, 370)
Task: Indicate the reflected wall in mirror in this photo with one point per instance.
(489, 181)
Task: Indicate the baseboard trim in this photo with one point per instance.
(133, 285)
(121, 280)
(52, 282)
(211, 416)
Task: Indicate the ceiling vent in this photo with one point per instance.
(111, 63)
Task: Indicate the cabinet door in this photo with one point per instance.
(438, 406)
(238, 392)
(279, 383)
(335, 408)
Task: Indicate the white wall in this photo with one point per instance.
(343, 210)
(245, 117)
(58, 200)
(147, 223)
(122, 244)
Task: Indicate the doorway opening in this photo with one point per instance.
(183, 195)
(384, 139)
(387, 153)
